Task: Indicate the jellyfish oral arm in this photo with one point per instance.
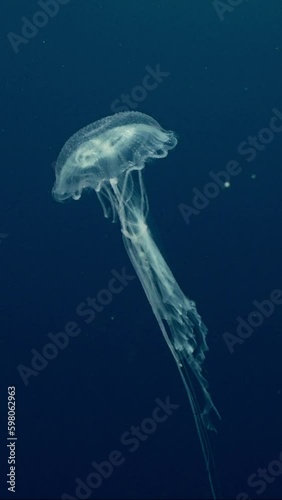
(177, 316)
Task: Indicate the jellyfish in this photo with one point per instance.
(109, 156)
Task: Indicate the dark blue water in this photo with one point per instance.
(213, 75)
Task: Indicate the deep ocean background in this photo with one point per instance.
(224, 80)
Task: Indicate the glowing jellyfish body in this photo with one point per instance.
(108, 156)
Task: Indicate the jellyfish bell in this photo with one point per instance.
(106, 150)
(109, 156)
